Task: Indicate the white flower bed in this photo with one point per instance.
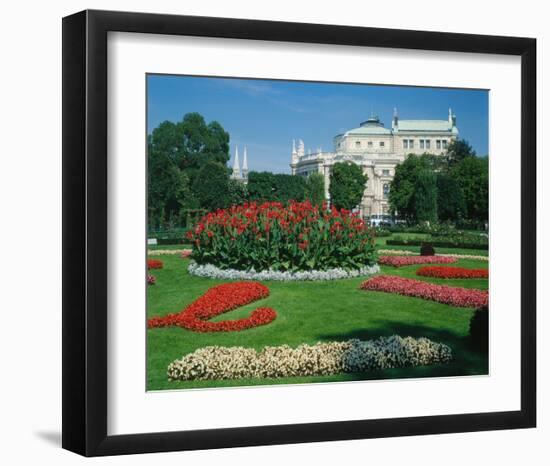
(219, 362)
(165, 252)
(211, 271)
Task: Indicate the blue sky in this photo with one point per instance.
(266, 114)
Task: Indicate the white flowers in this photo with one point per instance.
(172, 252)
(211, 271)
(219, 362)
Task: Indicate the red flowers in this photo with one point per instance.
(452, 272)
(154, 264)
(400, 261)
(454, 296)
(151, 280)
(215, 301)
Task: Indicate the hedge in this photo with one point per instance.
(436, 243)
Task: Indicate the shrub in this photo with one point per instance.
(479, 329)
(427, 250)
(270, 236)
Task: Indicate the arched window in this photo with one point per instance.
(386, 190)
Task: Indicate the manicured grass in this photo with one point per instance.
(309, 312)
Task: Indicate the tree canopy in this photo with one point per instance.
(472, 175)
(315, 189)
(347, 185)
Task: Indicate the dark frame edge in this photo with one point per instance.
(84, 216)
(73, 232)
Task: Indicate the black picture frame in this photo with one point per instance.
(85, 232)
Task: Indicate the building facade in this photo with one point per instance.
(378, 150)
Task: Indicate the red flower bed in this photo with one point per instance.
(154, 264)
(294, 237)
(452, 272)
(460, 297)
(216, 301)
(400, 261)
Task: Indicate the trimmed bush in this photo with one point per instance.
(427, 250)
(479, 329)
(270, 236)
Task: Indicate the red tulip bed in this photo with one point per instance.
(216, 301)
(400, 261)
(454, 296)
(154, 264)
(452, 272)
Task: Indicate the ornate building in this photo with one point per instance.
(378, 150)
(237, 173)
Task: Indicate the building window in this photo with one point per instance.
(382, 144)
(444, 142)
(422, 143)
(427, 143)
(358, 144)
(386, 190)
(438, 144)
(405, 143)
(411, 143)
(385, 173)
(369, 143)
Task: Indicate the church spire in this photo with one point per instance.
(236, 168)
(245, 164)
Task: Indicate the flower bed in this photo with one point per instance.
(154, 264)
(169, 252)
(218, 362)
(215, 301)
(402, 252)
(454, 296)
(151, 280)
(294, 238)
(211, 271)
(452, 272)
(400, 261)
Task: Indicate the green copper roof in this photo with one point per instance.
(369, 130)
(424, 125)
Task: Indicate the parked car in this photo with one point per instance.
(379, 220)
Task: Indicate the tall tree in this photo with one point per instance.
(472, 174)
(425, 196)
(347, 185)
(211, 186)
(458, 150)
(451, 205)
(403, 186)
(315, 189)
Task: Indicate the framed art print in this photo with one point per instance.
(281, 232)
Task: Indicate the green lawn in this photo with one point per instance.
(309, 312)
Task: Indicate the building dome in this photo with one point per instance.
(372, 121)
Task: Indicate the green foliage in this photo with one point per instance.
(293, 238)
(456, 240)
(176, 153)
(458, 150)
(315, 189)
(472, 174)
(261, 186)
(347, 185)
(451, 205)
(288, 188)
(425, 197)
(267, 186)
(237, 192)
(414, 174)
(211, 186)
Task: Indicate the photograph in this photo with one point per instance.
(304, 232)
